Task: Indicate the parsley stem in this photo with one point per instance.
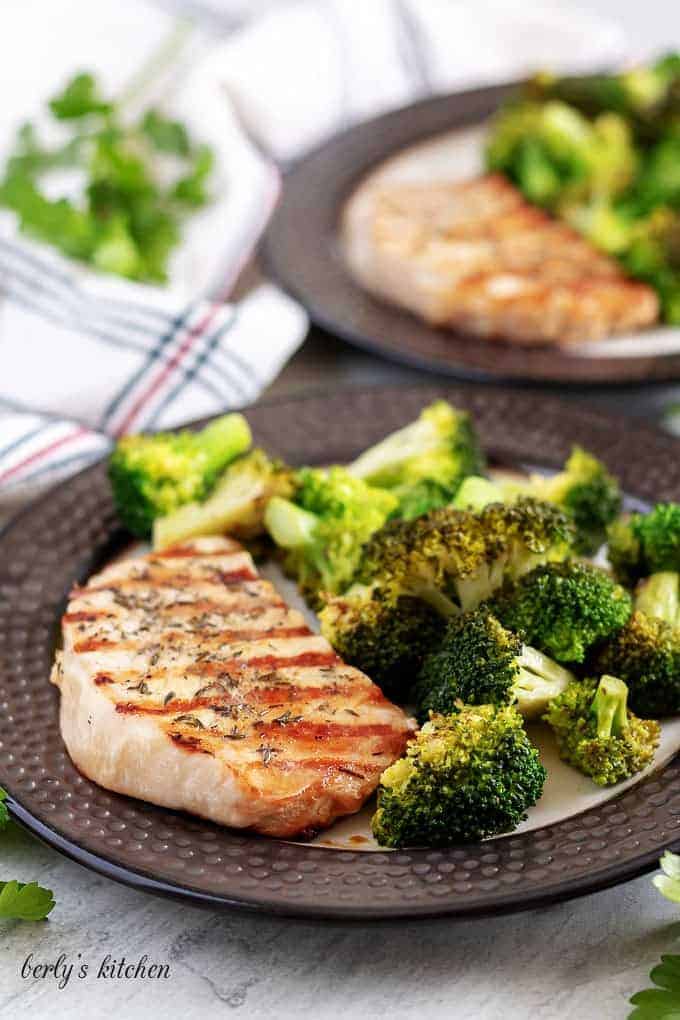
(159, 61)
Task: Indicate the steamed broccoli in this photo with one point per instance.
(457, 558)
(424, 463)
(235, 507)
(597, 734)
(557, 156)
(323, 528)
(642, 544)
(466, 776)
(387, 640)
(646, 652)
(446, 560)
(653, 255)
(648, 96)
(564, 608)
(584, 489)
(153, 475)
(479, 662)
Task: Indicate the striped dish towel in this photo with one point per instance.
(85, 358)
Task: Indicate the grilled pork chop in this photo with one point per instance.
(186, 681)
(477, 257)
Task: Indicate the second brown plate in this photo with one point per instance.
(301, 250)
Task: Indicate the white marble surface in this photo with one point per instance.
(578, 960)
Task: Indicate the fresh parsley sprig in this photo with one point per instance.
(662, 1002)
(19, 900)
(141, 181)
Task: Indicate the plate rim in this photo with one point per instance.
(506, 902)
(275, 242)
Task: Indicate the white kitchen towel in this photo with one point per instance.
(86, 357)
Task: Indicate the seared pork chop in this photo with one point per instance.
(477, 257)
(186, 681)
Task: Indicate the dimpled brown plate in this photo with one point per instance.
(301, 249)
(73, 530)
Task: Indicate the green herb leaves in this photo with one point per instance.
(25, 902)
(19, 900)
(140, 181)
(79, 98)
(663, 1002)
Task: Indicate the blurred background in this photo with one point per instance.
(132, 296)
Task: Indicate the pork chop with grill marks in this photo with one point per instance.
(187, 681)
(475, 256)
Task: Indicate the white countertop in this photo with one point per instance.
(577, 960)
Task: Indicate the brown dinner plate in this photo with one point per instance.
(301, 250)
(73, 530)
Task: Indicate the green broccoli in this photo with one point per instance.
(556, 156)
(447, 560)
(597, 734)
(643, 544)
(465, 777)
(564, 608)
(479, 662)
(424, 463)
(387, 640)
(152, 475)
(236, 505)
(653, 254)
(457, 558)
(584, 489)
(646, 652)
(646, 95)
(323, 527)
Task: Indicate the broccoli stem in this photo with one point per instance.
(224, 439)
(289, 525)
(609, 707)
(477, 492)
(439, 602)
(534, 664)
(659, 596)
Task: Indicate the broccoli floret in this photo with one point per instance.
(556, 156)
(645, 95)
(644, 544)
(564, 608)
(653, 253)
(597, 734)
(153, 475)
(424, 462)
(584, 489)
(479, 662)
(323, 528)
(465, 777)
(236, 505)
(388, 641)
(646, 655)
(448, 560)
(457, 558)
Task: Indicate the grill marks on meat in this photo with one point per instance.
(186, 680)
(477, 257)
